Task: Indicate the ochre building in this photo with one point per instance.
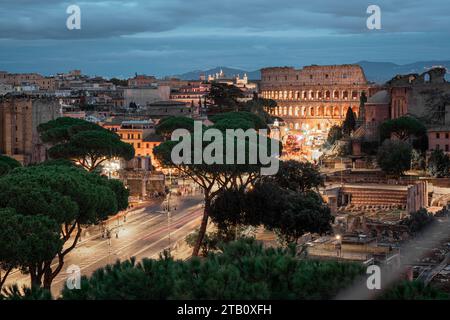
(315, 97)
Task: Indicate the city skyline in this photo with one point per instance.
(160, 37)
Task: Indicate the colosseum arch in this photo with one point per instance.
(311, 94)
(336, 111)
(320, 111)
(354, 95)
(297, 95)
(303, 111)
(319, 95)
(296, 111)
(345, 95)
(311, 111)
(290, 111)
(304, 95)
(327, 94)
(285, 111)
(335, 94)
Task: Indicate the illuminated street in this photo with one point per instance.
(144, 234)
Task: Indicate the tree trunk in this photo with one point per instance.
(202, 231)
(3, 280)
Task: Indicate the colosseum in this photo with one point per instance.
(315, 97)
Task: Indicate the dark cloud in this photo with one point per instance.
(171, 36)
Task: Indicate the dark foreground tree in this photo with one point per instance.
(215, 176)
(334, 134)
(439, 164)
(349, 124)
(242, 270)
(25, 241)
(71, 197)
(413, 290)
(298, 176)
(394, 157)
(225, 96)
(402, 128)
(85, 143)
(167, 125)
(7, 164)
(418, 221)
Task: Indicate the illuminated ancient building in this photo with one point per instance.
(315, 97)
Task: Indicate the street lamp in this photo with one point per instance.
(338, 245)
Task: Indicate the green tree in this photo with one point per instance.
(439, 164)
(69, 196)
(213, 178)
(25, 241)
(394, 157)
(225, 96)
(418, 221)
(334, 134)
(349, 124)
(413, 290)
(83, 142)
(402, 128)
(298, 176)
(119, 82)
(7, 164)
(167, 125)
(238, 120)
(242, 269)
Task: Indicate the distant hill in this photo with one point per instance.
(381, 72)
(378, 72)
(229, 73)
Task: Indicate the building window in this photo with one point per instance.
(446, 135)
(438, 136)
(139, 145)
(446, 148)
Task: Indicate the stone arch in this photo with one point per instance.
(335, 94)
(319, 95)
(345, 95)
(327, 94)
(296, 111)
(311, 111)
(290, 111)
(285, 111)
(304, 95)
(320, 111)
(303, 111)
(354, 94)
(336, 111)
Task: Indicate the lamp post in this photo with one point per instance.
(338, 245)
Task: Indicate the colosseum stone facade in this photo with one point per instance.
(315, 97)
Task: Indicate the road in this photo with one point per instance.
(144, 234)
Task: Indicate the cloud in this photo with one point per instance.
(164, 37)
(28, 19)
